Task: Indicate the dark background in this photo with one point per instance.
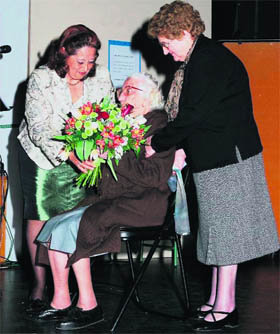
(245, 20)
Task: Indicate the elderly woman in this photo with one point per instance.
(211, 118)
(139, 197)
(70, 79)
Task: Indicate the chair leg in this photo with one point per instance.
(131, 266)
(141, 252)
(184, 277)
(135, 283)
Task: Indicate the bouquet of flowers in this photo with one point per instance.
(102, 133)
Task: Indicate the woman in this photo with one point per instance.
(70, 79)
(211, 118)
(139, 197)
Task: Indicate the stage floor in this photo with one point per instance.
(257, 297)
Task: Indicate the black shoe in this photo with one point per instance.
(230, 321)
(78, 319)
(35, 306)
(199, 314)
(50, 314)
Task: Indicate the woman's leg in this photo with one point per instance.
(32, 230)
(87, 313)
(61, 298)
(212, 298)
(225, 295)
(87, 299)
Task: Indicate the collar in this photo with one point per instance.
(190, 51)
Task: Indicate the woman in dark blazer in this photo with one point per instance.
(210, 116)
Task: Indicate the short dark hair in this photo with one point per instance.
(72, 39)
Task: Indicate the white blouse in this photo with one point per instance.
(48, 104)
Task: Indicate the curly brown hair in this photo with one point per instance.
(172, 19)
(72, 39)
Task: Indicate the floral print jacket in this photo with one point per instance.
(48, 102)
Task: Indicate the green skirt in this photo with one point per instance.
(47, 193)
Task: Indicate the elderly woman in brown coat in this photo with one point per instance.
(139, 197)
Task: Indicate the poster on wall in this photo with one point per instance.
(122, 61)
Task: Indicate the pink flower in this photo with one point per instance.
(110, 144)
(69, 132)
(117, 141)
(107, 134)
(111, 125)
(102, 115)
(137, 144)
(97, 108)
(126, 110)
(70, 123)
(111, 135)
(86, 109)
(100, 143)
(137, 133)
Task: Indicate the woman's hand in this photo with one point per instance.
(148, 140)
(83, 166)
(148, 148)
(179, 161)
(149, 151)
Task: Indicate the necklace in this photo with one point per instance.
(74, 84)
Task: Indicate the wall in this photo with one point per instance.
(13, 71)
(261, 60)
(111, 20)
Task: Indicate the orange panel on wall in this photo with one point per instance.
(3, 190)
(262, 61)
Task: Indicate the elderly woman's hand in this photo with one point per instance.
(148, 148)
(149, 151)
(83, 166)
(179, 161)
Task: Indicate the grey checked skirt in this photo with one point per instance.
(236, 221)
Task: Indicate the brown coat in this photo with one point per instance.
(138, 198)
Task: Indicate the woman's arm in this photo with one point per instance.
(200, 97)
(151, 172)
(38, 114)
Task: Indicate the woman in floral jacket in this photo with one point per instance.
(70, 79)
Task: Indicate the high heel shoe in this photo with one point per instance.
(230, 321)
(199, 314)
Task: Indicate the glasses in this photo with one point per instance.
(127, 90)
(165, 45)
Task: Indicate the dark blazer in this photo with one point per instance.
(215, 110)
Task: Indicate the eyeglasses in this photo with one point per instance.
(165, 45)
(127, 90)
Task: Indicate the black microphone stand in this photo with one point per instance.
(3, 107)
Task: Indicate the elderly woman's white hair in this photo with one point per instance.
(153, 89)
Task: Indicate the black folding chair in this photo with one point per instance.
(166, 231)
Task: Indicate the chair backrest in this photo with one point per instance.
(148, 232)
